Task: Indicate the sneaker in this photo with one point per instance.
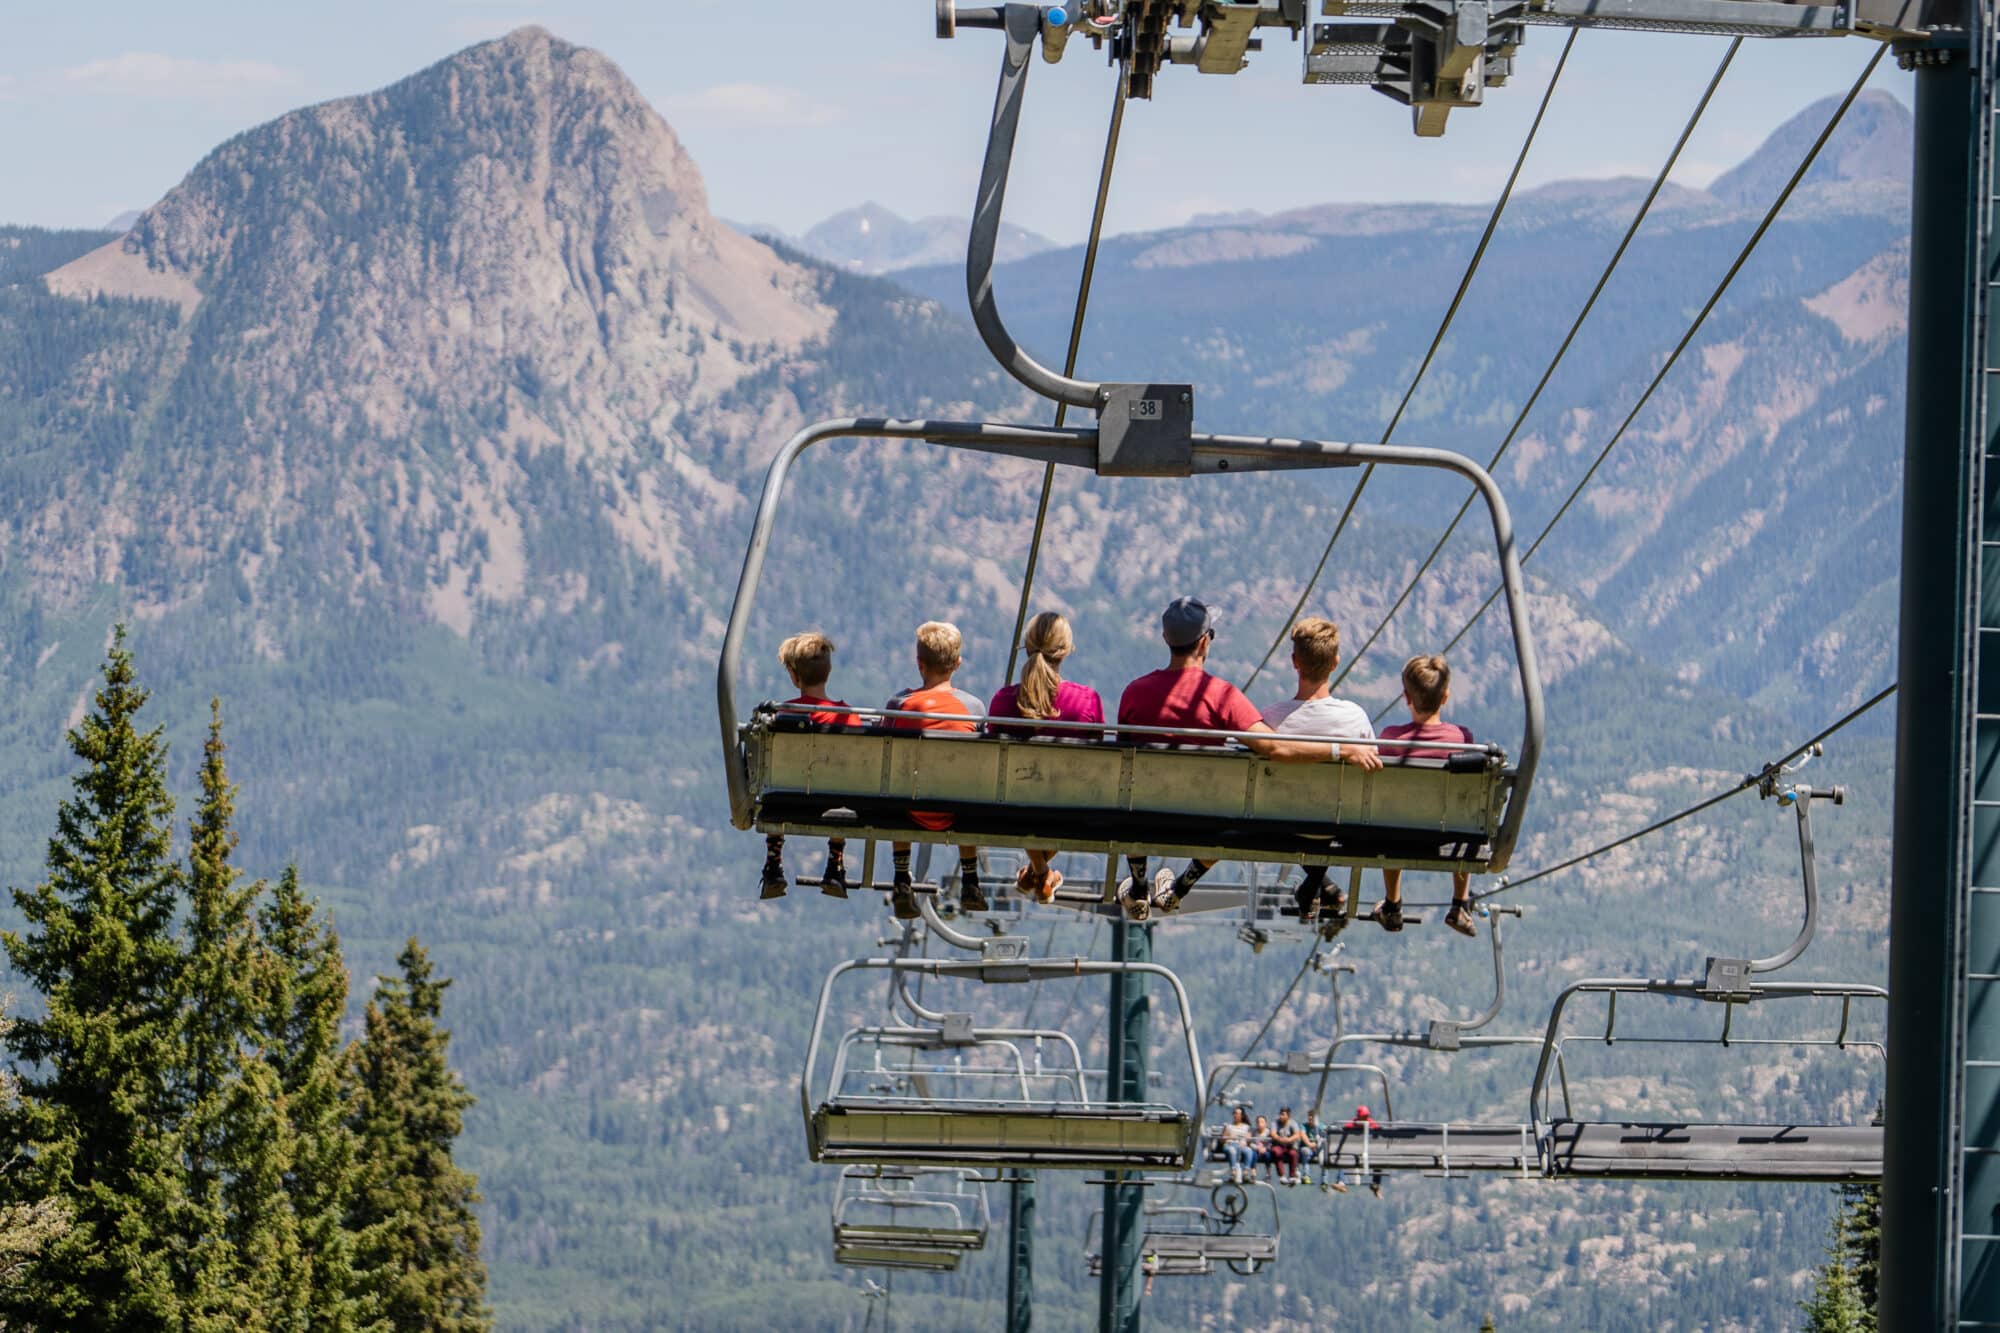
(833, 880)
(1164, 899)
(1138, 909)
(1305, 1178)
(774, 880)
(903, 897)
(970, 897)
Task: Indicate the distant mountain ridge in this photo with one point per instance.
(871, 239)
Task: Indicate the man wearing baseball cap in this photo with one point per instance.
(1184, 694)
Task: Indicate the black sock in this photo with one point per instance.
(902, 861)
(968, 869)
(1137, 865)
(836, 850)
(1314, 881)
(1189, 878)
(774, 849)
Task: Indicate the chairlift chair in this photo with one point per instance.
(1678, 1149)
(1190, 1238)
(945, 1092)
(911, 1208)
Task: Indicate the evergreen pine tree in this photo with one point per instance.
(96, 1094)
(232, 1233)
(416, 1240)
(1863, 1206)
(304, 997)
(1836, 1304)
(28, 1226)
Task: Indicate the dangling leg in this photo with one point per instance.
(1459, 918)
(774, 866)
(1132, 894)
(833, 880)
(902, 896)
(1167, 896)
(971, 898)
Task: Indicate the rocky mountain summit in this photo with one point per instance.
(505, 254)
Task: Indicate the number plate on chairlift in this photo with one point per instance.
(1146, 430)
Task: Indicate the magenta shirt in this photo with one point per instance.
(1074, 703)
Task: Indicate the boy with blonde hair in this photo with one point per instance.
(1426, 689)
(808, 660)
(1313, 711)
(948, 708)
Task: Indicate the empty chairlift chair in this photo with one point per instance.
(919, 1218)
(947, 1092)
(1196, 1225)
(1677, 1148)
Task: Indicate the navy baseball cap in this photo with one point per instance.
(1185, 620)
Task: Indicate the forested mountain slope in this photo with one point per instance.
(424, 428)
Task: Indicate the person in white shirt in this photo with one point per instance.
(1313, 711)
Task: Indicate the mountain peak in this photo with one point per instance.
(1871, 147)
(520, 197)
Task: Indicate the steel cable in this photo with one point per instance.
(1312, 949)
(1430, 354)
(1742, 257)
(1069, 360)
(1576, 326)
(1751, 780)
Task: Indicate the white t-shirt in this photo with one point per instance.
(1341, 718)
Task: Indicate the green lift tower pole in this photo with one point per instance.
(1941, 1178)
(1125, 1078)
(1020, 1251)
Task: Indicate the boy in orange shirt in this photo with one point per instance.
(951, 709)
(808, 660)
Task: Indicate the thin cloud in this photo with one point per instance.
(175, 78)
(755, 106)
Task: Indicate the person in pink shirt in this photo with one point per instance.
(1043, 695)
(1184, 694)
(1426, 689)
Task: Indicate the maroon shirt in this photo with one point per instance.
(1449, 733)
(1189, 697)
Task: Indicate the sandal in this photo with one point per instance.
(1459, 918)
(1050, 883)
(1389, 916)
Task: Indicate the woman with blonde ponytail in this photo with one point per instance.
(1044, 696)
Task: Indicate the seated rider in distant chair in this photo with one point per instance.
(1237, 1150)
(1185, 695)
(808, 660)
(1043, 695)
(1313, 711)
(938, 648)
(1426, 689)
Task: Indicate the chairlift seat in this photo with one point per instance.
(1068, 1135)
(896, 1256)
(905, 1236)
(1445, 1147)
(1111, 797)
(1644, 1151)
(1242, 1247)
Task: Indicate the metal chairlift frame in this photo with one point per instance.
(1216, 1236)
(962, 1213)
(1760, 1156)
(1396, 1145)
(997, 1131)
(1103, 797)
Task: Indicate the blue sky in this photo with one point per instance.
(797, 108)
